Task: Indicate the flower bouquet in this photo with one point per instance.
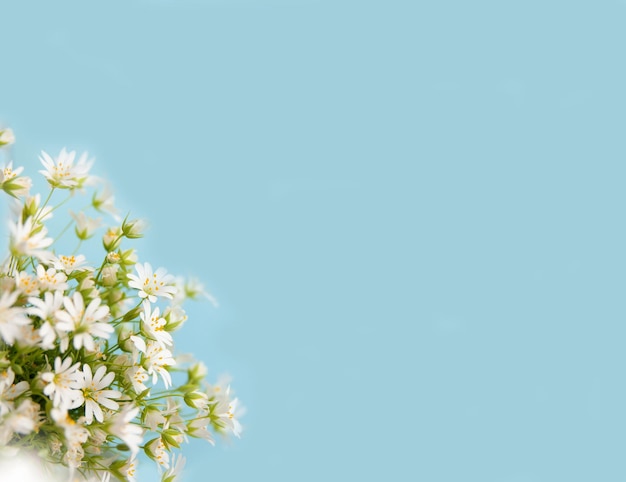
(88, 375)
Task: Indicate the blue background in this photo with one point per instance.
(412, 213)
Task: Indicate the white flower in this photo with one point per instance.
(137, 376)
(12, 183)
(151, 285)
(228, 410)
(192, 289)
(62, 384)
(26, 240)
(11, 317)
(25, 419)
(68, 264)
(85, 226)
(156, 448)
(75, 436)
(62, 172)
(95, 392)
(84, 323)
(6, 137)
(172, 474)
(10, 391)
(153, 325)
(122, 427)
(46, 309)
(157, 358)
(198, 427)
(128, 470)
(26, 284)
(104, 201)
(50, 280)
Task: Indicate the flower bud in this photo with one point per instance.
(109, 274)
(111, 239)
(134, 228)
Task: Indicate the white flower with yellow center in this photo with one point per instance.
(95, 392)
(46, 309)
(153, 325)
(28, 240)
(83, 323)
(70, 263)
(61, 384)
(157, 359)
(26, 283)
(50, 280)
(12, 183)
(151, 285)
(62, 173)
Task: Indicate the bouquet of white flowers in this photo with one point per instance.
(86, 350)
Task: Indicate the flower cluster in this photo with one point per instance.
(89, 378)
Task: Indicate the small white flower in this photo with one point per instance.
(151, 285)
(50, 280)
(46, 309)
(85, 226)
(153, 325)
(26, 284)
(10, 391)
(137, 376)
(104, 201)
(61, 384)
(25, 419)
(28, 240)
(157, 359)
(95, 392)
(84, 323)
(62, 172)
(7, 137)
(68, 264)
(172, 474)
(11, 317)
(12, 183)
(157, 449)
(122, 427)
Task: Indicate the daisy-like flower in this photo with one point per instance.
(26, 284)
(61, 384)
(46, 309)
(153, 325)
(62, 173)
(157, 359)
(84, 323)
(26, 240)
(95, 392)
(11, 317)
(12, 183)
(151, 285)
(50, 280)
(68, 264)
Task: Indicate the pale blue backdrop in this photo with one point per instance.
(412, 212)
